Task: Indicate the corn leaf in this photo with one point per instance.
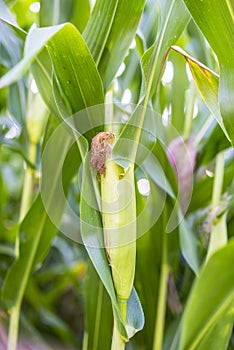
(7, 17)
(55, 12)
(99, 316)
(210, 304)
(216, 21)
(110, 22)
(174, 19)
(37, 230)
(207, 83)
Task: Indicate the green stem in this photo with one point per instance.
(218, 180)
(153, 65)
(98, 316)
(123, 304)
(28, 183)
(161, 309)
(218, 235)
(25, 205)
(13, 328)
(27, 193)
(190, 109)
(117, 341)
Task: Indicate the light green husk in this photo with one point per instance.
(119, 222)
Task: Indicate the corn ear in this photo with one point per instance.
(119, 222)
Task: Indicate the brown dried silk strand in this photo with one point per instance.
(100, 149)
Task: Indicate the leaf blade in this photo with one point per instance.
(209, 299)
(216, 21)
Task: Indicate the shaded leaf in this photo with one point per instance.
(189, 246)
(98, 312)
(37, 230)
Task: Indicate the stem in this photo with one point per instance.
(13, 328)
(123, 308)
(218, 235)
(189, 113)
(28, 183)
(98, 316)
(218, 180)
(27, 193)
(117, 341)
(25, 205)
(203, 131)
(161, 309)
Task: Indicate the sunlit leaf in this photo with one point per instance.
(207, 82)
(7, 17)
(216, 21)
(174, 18)
(109, 23)
(55, 12)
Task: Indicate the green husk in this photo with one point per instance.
(119, 221)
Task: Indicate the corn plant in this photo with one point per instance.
(117, 174)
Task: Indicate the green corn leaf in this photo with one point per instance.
(37, 231)
(99, 316)
(55, 12)
(77, 75)
(42, 70)
(34, 44)
(216, 21)
(75, 70)
(174, 19)
(207, 83)
(110, 22)
(77, 78)
(210, 304)
(7, 17)
(81, 14)
(189, 246)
